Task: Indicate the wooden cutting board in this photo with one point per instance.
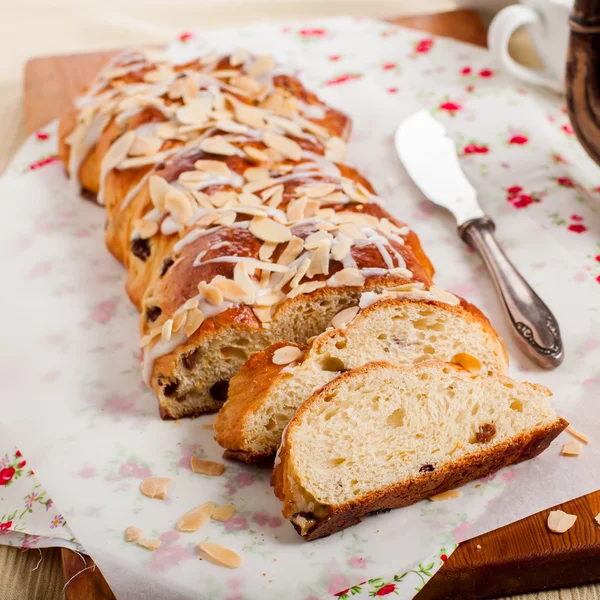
(520, 557)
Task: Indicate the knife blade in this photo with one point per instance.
(430, 158)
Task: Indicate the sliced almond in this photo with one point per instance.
(221, 555)
(223, 198)
(319, 263)
(133, 534)
(286, 355)
(246, 83)
(212, 166)
(341, 248)
(295, 209)
(261, 66)
(218, 145)
(256, 154)
(239, 57)
(269, 299)
(291, 251)
(145, 146)
(301, 272)
(155, 487)
(118, 151)
(580, 436)
(401, 272)
(179, 321)
(571, 448)
(443, 295)
(344, 317)
(269, 231)
(193, 519)
(158, 190)
(335, 149)
(149, 544)
(470, 363)
(249, 115)
(352, 231)
(559, 521)
(192, 179)
(167, 330)
(222, 513)
(315, 240)
(318, 190)
(146, 229)
(257, 185)
(191, 303)
(276, 198)
(285, 146)
(211, 293)
(256, 173)
(193, 320)
(449, 495)
(349, 277)
(179, 205)
(206, 467)
(242, 278)
(195, 112)
(266, 250)
(306, 288)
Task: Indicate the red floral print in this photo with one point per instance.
(38, 164)
(392, 90)
(558, 159)
(6, 525)
(343, 78)
(577, 228)
(518, 140)
(523, 201)
(41, 135)
(308, 33)
(334, 57)
(515, 189)
(185, 36)
(451, 107)
(18, 454)
(388, 66)
(6, 475)
(424, 46)
(486, 73)
(475, 149)
(444, 557)
(575, 217)
(342, 593)
(386, 589)
(466, 71)
(470, 88)
(22, 464)
(565, 182)
(567, 129)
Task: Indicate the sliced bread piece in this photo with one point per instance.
(383, 436)
(266, 392)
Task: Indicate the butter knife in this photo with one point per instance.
(431, 160)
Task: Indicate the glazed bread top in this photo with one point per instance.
(232, 171)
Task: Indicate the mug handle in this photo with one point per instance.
(505, 23)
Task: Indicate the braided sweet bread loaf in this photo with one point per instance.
(227, 201)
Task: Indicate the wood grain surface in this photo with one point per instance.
(520, 557)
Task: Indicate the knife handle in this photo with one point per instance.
(533, 322)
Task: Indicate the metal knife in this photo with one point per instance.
(431, 160)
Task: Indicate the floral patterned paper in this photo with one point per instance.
(73, 398)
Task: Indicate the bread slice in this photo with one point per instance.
(264, 396)
(384, 436)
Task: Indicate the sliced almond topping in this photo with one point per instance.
(263, 313)
(242, 278)
(195, 112)
(211, 293)
(319, 263)
(239, 57)
(133, 534)
(190, 304)
(306, 288)
(319, 131)
(443, 295)
(179, 205)
(227, 219)
(118, 151)
(292, 251)
(221, 555)
(212, 166)
(149, 544)
(167, 330)
(335, 149)
(269, 299)
(256, 173)
(286, 355)
(206, 467)
(256, 154)
(218, 145)
(222, 198)
(349, 277)
(269, 231)
(179, 321)
(229, 126)
(344, 317)
(249, 115)
(249, 200)
(266, 250)
(155, 487)
(319, 190)
(193, 320)
(301, 272)
(192, 179)
(470, 363)
(246, 83)
(231, 290)
(261, 66)
(146, 229)
(145, 146)
(166, 131)
(222, 513)
(315, 240)
(158, 189)
(401, 272)
(257, 185)
(580, 436)
(193, 519)
(341, 248)
(352, 231)
(295, 209)
(273, 155)
(285, 146)
(559, 521)
(571, 448)
(449, 495)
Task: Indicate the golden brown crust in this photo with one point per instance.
(487, 461)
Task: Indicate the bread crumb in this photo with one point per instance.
(571, 448)
(478, 546)
(446, 495)
(559, 521)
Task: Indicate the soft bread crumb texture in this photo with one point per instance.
(386, 425)
(397, 331)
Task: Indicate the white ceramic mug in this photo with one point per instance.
(547, 22)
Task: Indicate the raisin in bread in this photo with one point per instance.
(384, 436)
(228, 202)
(402, 327)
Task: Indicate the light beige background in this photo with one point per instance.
(31, 28)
